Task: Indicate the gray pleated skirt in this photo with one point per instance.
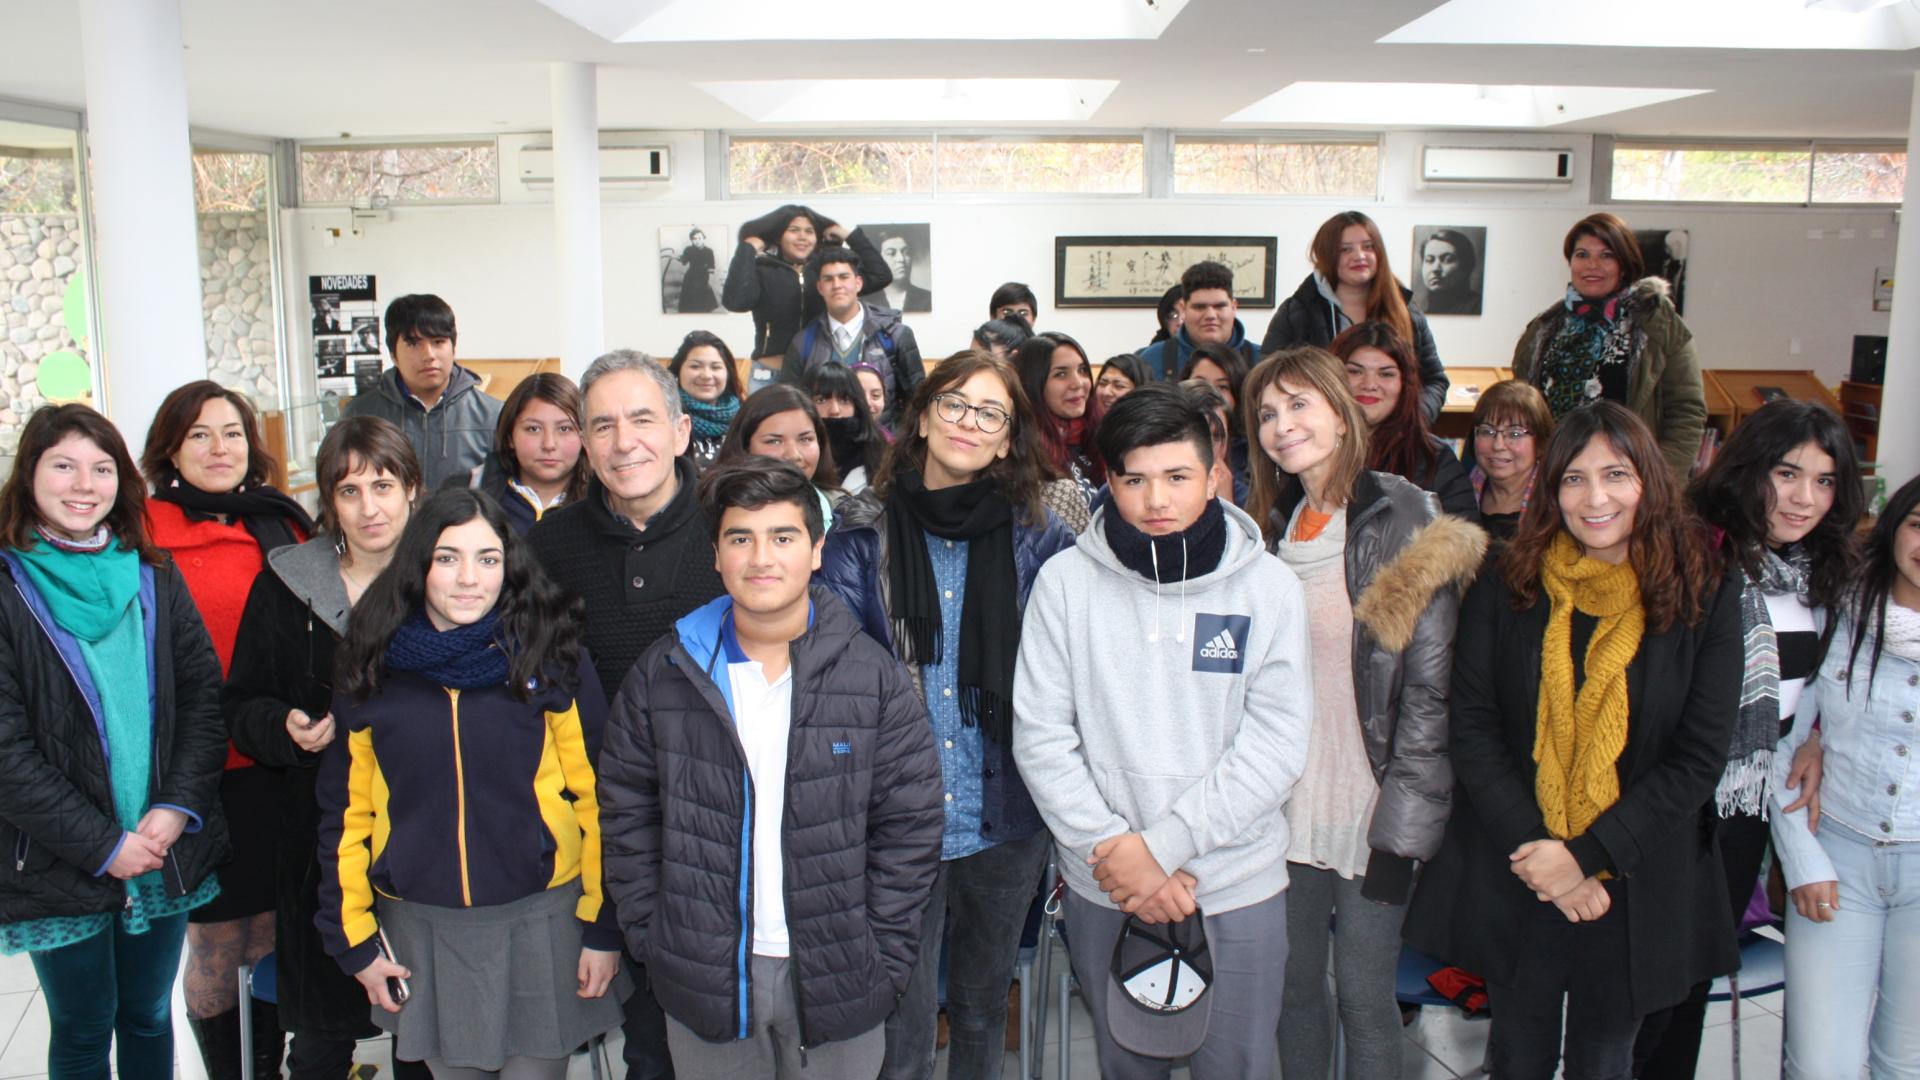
(490, 983)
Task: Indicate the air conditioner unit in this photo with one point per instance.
(1469, 166)
(618, 165)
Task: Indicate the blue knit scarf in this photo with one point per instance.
(711, 419)
(463, 658)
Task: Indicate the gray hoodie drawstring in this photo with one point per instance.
(1180, 632)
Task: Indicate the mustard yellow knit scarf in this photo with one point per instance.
(1579, 738)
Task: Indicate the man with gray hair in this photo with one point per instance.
(637, 551)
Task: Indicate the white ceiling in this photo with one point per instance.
(431, 67)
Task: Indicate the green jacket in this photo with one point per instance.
(1663, 388)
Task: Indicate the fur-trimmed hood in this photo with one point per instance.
(1445, 553)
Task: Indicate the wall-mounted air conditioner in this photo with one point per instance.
(1491, 166)
(618, 164)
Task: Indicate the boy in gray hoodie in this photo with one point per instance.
(1162, 702)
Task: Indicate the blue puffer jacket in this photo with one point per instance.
(854, 565)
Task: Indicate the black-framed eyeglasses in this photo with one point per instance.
(1493, 434)
(988, 418)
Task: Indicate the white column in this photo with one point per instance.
(1899, 451)
(576, 214)
(145, 239)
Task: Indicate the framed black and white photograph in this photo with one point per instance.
(908, 252)
(330, 356)
(1449, 268)
(1136, 271)
(366, 336)
(693, 267)
(1666, 253)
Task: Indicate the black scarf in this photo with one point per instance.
(846, 438)
(268, 516)
(1193, 552)
(465, 657)
(990, 616)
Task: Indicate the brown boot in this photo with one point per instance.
(941, 1032)
(1013, 1017)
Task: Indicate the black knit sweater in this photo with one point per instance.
(636, 584)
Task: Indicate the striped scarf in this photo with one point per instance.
(1579, 736)
(1756, 729)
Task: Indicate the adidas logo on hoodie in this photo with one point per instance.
(1218, 642)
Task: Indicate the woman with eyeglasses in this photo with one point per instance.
(278, 705)
(936, 559)
(1510, 425)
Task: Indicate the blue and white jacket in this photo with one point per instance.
(860, 843)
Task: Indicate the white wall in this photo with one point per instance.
(1771, 288)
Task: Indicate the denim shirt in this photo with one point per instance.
(1871, 779)
(959, 745)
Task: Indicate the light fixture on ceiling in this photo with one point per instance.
(1852, 7)
(658, 21)
(909, 101)
(1890, 25)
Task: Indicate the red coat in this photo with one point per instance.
(219, 563)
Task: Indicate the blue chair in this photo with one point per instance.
(1410, 987)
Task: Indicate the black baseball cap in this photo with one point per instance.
(1157, 1000)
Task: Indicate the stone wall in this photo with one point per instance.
(39, 254)
(236, 291)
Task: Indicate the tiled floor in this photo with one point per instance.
(1440, 1044)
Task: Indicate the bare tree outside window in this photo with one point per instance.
(1765, 174)
(829, 166)
(1876, 175)
(1042, 166)
(443, 172)
(38, 182)
(1256, 167)
(225, 183)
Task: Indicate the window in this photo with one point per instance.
(37, 181)
(1208, 166)
(226, 183)
(1788, 173)
(829, 166)
(1091, 166)
(937, 164)
(407, 173)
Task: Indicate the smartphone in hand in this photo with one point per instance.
(396, 986)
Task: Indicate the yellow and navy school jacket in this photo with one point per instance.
(459, 798)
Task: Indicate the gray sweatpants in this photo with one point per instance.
(772, 1048)
(1249, 950)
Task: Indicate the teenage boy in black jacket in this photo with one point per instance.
(771, 806)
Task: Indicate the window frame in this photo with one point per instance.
(297, 186)
(1605, 146)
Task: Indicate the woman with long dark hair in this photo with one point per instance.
(458, 808)
(709, 392)
(1783, 494)
(1352, 282)
(1385, 380)
(1617, 336)
(782, 422)
(278, 704)
(215, 513)
(537, 458)
(1851, 932)
(854, 441)
(1223, 368)
(1057, 378)
(1596, 678)
(773, 271)
(935, 559)
(1119, 376)
(104, 660)
(1382, 569)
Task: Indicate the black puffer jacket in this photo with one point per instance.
(781, 295)
(57, 823)
(1310, 315)
(860, 840)
(296, 615)
(1407, 565)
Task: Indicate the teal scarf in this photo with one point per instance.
(94, 595)
(711, 419)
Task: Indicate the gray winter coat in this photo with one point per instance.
(1407, 566)
(451, 439)
(860, 836)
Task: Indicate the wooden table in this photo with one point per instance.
(1741, 387)
(1464, 387)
